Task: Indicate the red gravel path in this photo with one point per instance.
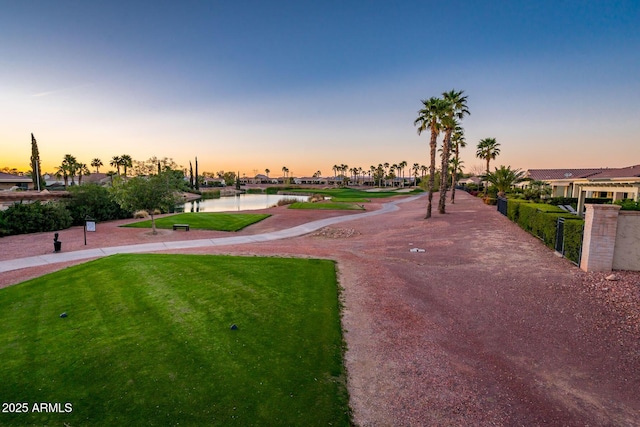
(486, 327)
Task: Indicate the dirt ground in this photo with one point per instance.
(484, 327)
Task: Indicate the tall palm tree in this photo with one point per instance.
(416, 169)
(266, 171)
(96, 163)
(487, 149)
(285, 171)
(82, 170)
(372, 171)
(116, 163)
(456, 110)
(71, 164)
(430, 117)
(126, 162)
(457, 142)
(63, 172)
(402, 165)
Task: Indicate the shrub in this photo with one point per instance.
(255, 191)
(141, 214)
(513, 208)
(541, 220)
(490, 201)
(628, 205)
(36, 217)
(94, 201)
(573, 232)
(287, 201)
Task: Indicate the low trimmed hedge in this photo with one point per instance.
(541, 220)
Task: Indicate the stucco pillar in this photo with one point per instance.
(599, 239)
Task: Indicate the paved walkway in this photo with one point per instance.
(35, 261)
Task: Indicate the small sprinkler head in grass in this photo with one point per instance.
(63, 315)
(234, 327)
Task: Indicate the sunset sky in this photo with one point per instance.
(249, 85)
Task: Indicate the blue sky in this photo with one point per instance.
(250, 85)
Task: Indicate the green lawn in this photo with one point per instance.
(204, 221)
(327, 206)
(147, 341)
(349, 193)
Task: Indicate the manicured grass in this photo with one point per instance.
(349, 200)
(204, 221)
(147, 341)
(349, 193)
(327, 206)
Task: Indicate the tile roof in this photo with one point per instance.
(545, 174)
(600, 173)
(628, 172)
(8, 177)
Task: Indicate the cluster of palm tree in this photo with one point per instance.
(70, 168)
(125, 161)
(442, 115)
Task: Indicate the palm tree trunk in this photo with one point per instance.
(432, 169)
(444, 172)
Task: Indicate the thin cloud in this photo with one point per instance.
(53, 92)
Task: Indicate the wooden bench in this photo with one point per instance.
(185, 226)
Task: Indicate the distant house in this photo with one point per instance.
(9, 181)
(472, 180)
(612, 183)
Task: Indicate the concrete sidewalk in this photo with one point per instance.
(53, 258)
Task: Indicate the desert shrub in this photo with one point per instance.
(210, 194)
(490, 201)
(141, 214)
(22, 218)
(94, 201)
(287, 201)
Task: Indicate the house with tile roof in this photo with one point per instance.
(9, 181)
(612, 183)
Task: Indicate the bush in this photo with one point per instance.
(513, 208)
(94, 201)
(573, 232)
(36, 217)
(255, 191)
(287, 201)
(541, 220)
(628, 205)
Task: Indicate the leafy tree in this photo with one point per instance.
(157, 192)
(95, 201)
(430, 117)
(488, 149)
(228, 177)
(504, 178)
(36, 169)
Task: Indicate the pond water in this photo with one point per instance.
(239, 202)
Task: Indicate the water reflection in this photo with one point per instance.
(239, 202)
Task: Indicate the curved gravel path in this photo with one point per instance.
(485, 327)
